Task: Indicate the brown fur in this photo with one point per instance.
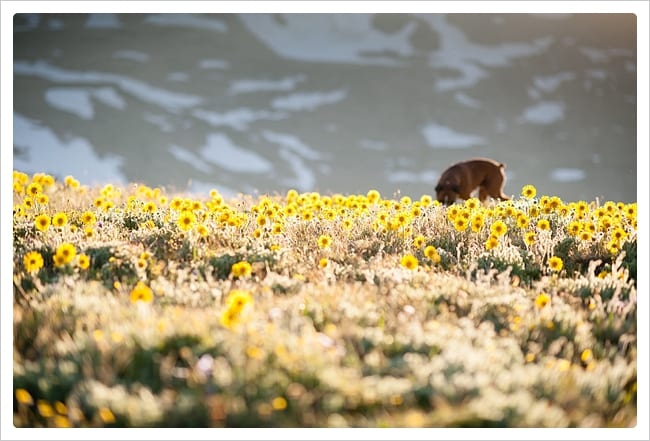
(462, 178)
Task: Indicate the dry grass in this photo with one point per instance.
(320, 310)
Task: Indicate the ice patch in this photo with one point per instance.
(55, 24)
(248, 86)
(597, 74)
(550, 83)
(78, 101)
(372, 144)
(293, 143)
(131, 55)
(211, 63)
(546, 112)
(330, 38)
(438, 136)
(108, 96)
(187, 20)
(467, 100)
(160, 121)
(74, 101)
(220, 150)
(238, 119)
(180, 77)
(30, 22)
(427, 176)
(169, 100)
(45, 151)
(308, 101)
(595, 55)
(293, 151)
(103, 21)
(468, 58)
(304, 178)
(567, 174)
(188, 157)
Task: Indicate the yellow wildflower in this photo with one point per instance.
(61, 422)
(42, 222)
(229, 318)
(59, 219)
(324, 241)
(543, 224)
(186, 220)
(33, 261)
(477, 222)
(141, 293)
(460, 223)
(530, 237)
(431, 253)
(426, 200)
(492, 242)
(24, 397)
(409, 261)
(241, 269)
(106, 415)
(45, 409)
(555, 263)
(67, 252)
(522, 221)
(373, 196)
(202, 230)
(528, 191)
(586, 355)
(238, 299)
(279, 403)
(498, 228)
(542, 300)
(574, 228)
(83, 261)
(42, 199)
(34, 189)
(586, 236)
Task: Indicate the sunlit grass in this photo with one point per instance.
(134, 307)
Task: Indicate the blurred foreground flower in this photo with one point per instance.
(24, 397)
(106, 415)
(238, 299)
(542, 300)
(141, 293)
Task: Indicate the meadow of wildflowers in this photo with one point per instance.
(138, 308)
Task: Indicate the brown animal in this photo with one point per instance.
(461, 179)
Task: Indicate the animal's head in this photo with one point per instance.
(447, 192)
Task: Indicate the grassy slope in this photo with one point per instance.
(330, 324)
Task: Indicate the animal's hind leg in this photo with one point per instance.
(482, 194)
(494, 187)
